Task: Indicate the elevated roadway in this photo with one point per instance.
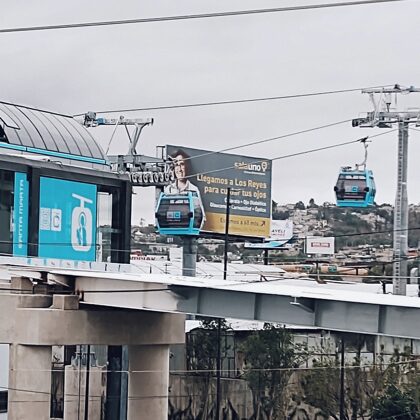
(351, 307)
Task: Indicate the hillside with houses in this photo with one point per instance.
(363, 234)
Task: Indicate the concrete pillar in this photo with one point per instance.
(29, 382)
(148, 382)
(75, 392)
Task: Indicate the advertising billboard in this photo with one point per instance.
(211, 174)
(281, 230)
(320, 245)
(67, 220)
(281, 233)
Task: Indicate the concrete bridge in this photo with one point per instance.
(45, 307)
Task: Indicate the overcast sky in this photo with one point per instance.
(155, 64)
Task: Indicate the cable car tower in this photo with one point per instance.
(385, 116)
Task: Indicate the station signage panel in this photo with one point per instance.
(211, 174)
(67, 220)
(20, 215)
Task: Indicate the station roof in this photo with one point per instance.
(46, 133)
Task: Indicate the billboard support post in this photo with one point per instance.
(219, 321)
(266, 256)
(189, 256)
(225, 258)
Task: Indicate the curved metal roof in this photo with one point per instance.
(47, 133)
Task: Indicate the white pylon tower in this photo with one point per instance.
(384, 115)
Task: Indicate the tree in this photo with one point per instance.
(274, 205)
(368, 390)
(201, 351)
(321, 386)
(395, 404)
(312, 204)
(300, 206)
(202, 346)
(281, 215)
(270, 356)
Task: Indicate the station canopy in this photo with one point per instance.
(46, 133)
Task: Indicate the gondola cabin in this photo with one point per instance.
(355, 188)
(179, 214)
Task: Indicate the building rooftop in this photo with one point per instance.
(29, 130)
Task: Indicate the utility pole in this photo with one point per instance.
(400, 271)
(385, 116)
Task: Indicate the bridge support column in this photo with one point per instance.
(148, 382)
(29, 382)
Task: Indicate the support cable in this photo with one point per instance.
(235, 101)
(193, 16)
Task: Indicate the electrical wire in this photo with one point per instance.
(194, 16)
(305, 152)
(37, 109)
(269, 139)
(396, 416)
(129, 251)
(415, 360)
(283, 157)
(235, 101)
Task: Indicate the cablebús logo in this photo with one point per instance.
(81, 225)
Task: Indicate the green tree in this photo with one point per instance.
(300, 205)
(281, 215)
(201, 351)
(395, 404)
(321, 385)
(202, 346)
(270, 356)
(312, 204)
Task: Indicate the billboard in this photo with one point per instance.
(211, 174)
(281, 233)
(320, 245)
(281, 230)
(67, 220)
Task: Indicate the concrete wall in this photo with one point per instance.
(4, 371)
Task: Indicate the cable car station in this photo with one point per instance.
(60, 200)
